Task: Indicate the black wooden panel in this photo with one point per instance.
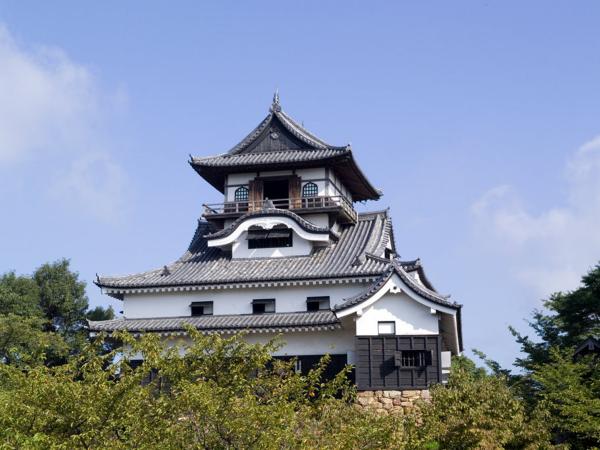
(307, 362)
(376, 366)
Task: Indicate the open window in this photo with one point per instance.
(263, 306)
(317, 303)
(278, 236)
(278, 191)
(201, 308)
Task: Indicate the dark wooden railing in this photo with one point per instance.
(315, 203)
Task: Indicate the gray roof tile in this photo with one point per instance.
(203, 265)
(237, 322)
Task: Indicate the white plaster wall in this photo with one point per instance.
(240, 178)
(320, 220)
(410, 316)
(295, 343)
(300, 247)
(311, 174)
(310, 343)
(232, 301)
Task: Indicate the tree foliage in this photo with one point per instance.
(477, 410)
(223, 393)
(551, 376)
(42, 317)
(226, 393)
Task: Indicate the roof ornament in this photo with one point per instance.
(268, 204)
(165, 271)
(275, 106)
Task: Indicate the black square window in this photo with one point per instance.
(317, 303)
(263, 306)
(201, 308)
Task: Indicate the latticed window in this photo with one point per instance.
(413, 358)
(241, 194)
(310, 190)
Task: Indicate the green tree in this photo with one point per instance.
(62, 296)
(570, 389)
(568, 319)
(480, 411)
(23, 340)
(100, 313)
(223, 393)
(551, 377)
(42, 317)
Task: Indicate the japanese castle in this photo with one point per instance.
(287, 254)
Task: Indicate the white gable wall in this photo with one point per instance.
(409, 316)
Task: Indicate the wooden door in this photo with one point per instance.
(256, 195)
(294, 189)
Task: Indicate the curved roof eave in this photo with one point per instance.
(270, 212)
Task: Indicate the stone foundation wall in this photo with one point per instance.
(386, 402)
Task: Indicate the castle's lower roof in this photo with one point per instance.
(276, 322)
(201, 265)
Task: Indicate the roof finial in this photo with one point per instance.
(276, 106)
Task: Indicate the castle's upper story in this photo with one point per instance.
(280, 161)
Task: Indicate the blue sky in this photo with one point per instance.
(479, 120)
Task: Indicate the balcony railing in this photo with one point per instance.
(303, 203)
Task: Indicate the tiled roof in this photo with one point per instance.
(304, 224)
(271, 157)
(203, 265)
(396, 268)
(252, 322)
(279, 142)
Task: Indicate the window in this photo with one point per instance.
(413, 358)
(241, 194)
(278, 236)
(317, 303)
(201, 308)
(386, 327)
(310, 189)
(263, 305)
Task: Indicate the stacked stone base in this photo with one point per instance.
(391, 402)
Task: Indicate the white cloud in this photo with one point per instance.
(550, 250)
(52, 113)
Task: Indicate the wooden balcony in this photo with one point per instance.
(308, 205)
